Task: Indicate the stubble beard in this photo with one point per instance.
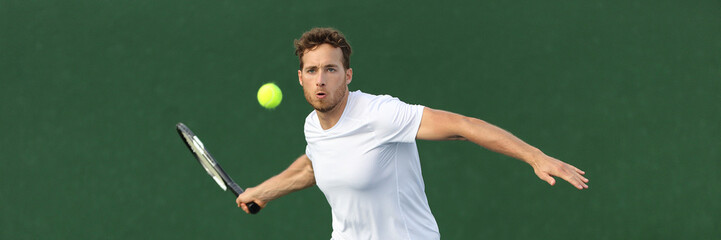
(327, 104)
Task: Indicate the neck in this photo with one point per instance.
(330, 118)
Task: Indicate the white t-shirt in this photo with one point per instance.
(367, 166)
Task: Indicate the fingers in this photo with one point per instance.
(241, 204)
(583, 180)
(580, 175)
(546, 177)
(579, 171)
(547, 167)
(244, 207)
(550, 180)
(577, 181)
(240, 201)
(572, 175)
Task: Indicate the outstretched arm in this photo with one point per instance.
(442, 125)
(299, 175)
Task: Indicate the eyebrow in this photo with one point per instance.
(324, 66)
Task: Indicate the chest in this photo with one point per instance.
(352, 162)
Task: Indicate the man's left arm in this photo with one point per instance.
(443, 125)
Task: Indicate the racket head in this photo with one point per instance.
(210, 165)
(202, 155)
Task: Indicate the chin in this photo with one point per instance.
(323, 107)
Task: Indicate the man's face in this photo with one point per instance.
(324, 80)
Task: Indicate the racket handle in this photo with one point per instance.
(252, 207)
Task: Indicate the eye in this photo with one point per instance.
(331, 69)
(310, 70)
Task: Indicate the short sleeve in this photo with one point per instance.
(395, 120)
(307, 153)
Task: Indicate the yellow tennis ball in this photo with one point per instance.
(269, 95)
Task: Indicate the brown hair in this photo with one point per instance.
(319, 36)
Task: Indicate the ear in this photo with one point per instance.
(300, 78)
(348, 76)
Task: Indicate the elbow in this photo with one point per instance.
(461, 128)
(468, 128)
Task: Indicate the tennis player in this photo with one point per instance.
(361, 150)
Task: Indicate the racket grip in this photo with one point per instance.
(252, 207)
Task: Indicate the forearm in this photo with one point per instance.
(496, 139)
(443, 125)
(299, 175)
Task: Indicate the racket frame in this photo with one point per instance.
(204, 156)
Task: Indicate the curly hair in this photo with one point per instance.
(318, 36)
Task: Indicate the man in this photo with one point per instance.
(361, 150)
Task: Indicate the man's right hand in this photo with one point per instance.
(248, 196)
(299, 175)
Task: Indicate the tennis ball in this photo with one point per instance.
(269, 95)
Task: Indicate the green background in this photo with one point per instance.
(90, 92)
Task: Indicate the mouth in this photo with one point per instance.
(320, 95)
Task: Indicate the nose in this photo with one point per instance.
(320, 82)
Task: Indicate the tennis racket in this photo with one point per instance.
(210, 165)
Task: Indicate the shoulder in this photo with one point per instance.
(386, 108)
(390, 105)
(311, 122)
(373, 103)
(393, 120)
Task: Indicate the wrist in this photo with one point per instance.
(531, 155)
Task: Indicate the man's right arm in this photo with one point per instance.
(299, 175)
